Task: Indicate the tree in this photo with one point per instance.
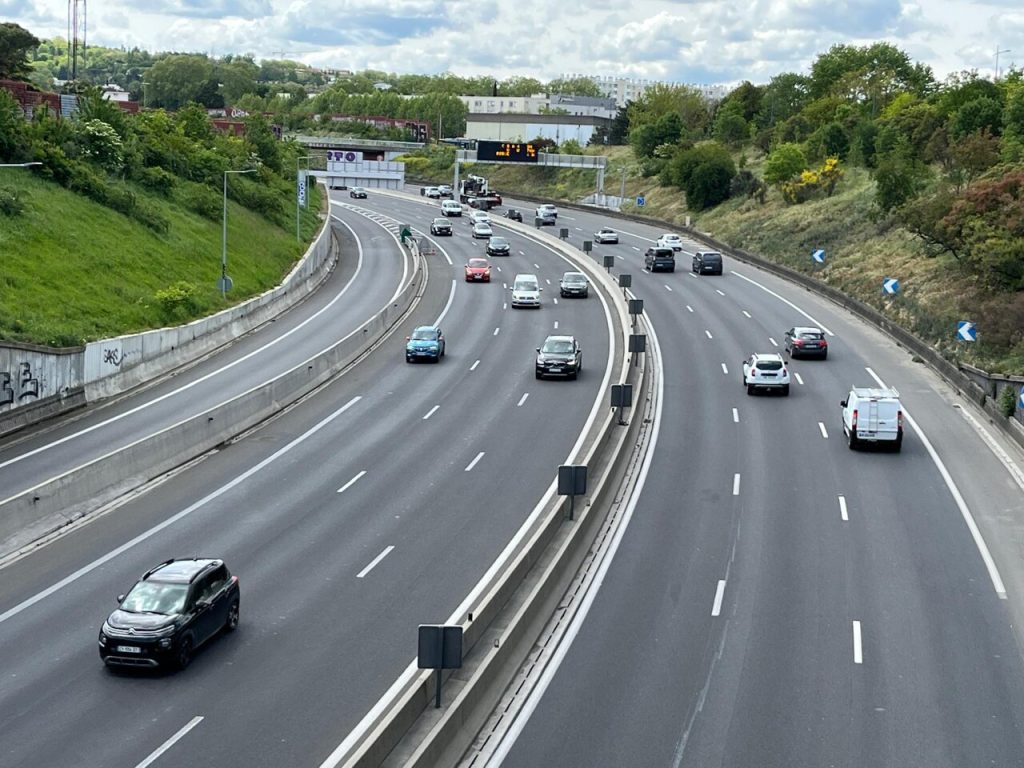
(576, 86)
(746, 98)
(783, 164)
(16, 44)
(687, 103)
(704, 173)
(871, 74)
(899, 175)
(647, 138)
(14, 145)
(177, 79)
(730, 127)
(973, 155)
(981, 114)
(784, 96)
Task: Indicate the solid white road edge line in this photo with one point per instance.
(86, 569)
(979, 540)
(769, 291)
(351, 482)
(448, 305)
(375, 561)
(990, 441)
(473, 463)
(824, 432)
(842, 510)
(716, 608)
(431, 412)
(171, 741)
(211, 374)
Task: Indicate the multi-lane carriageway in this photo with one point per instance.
(770, 599)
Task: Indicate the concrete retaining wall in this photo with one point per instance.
(44, 382)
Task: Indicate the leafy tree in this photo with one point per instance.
(746, 98)
(577, 86)
(570, 147)
(263, 141)
(835, 140)
(973, 155)
(704, 173)
(962, 87)
(730, 127)
(872, 74)
(16, 45)
(784, 163)
(981, 114)
(237, 76)
(647, 138)
(14, 140)
(899, 176)
(784, 96)
(177, 79)
(520, 86)
(687, 103)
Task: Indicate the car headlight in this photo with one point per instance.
(165, 642)
(103, 639)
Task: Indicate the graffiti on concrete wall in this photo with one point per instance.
(20, 385)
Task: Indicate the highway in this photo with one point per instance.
(776, 599)
(369, 508)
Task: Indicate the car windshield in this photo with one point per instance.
(664, 252)
(478, 263)
(557, 347)
(424, 334)
(155, 597)
(768, 365)
(498, 241)
(810, 335)
(526, 285)
(712, 257)
(573, 277)
(443, 222)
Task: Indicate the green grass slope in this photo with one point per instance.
(73, 271)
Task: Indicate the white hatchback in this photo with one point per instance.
(765, 371)
(668, 240)
(479, 217)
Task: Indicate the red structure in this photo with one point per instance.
(30, 98)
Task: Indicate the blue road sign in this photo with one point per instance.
(891, 286)
(818, 255)
(640, 201)
(965, 331)
(1020, 400)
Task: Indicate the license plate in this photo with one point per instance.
(128, 649)
(555, 369)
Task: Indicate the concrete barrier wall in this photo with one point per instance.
(63, 499)
(44, 382)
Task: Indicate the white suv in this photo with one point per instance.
(765, 371)
(547, 209)
(873, 415)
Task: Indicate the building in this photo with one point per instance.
(626, 89)
(509, 126)
(541, 104)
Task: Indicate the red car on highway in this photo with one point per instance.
(478, 271)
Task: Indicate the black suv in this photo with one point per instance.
(660, 259)
(707, 263)
(440, 227)
(513, 214)
(560, 356)
(171, 611)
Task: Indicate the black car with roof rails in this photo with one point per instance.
(660, 259)
(707, 263)
(171, 611)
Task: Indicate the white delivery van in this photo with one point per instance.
(873, 415)
(526, 291)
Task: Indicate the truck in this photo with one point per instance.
(475, 192)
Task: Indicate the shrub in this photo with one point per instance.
(12, 202)
(157, 180)
(203, 200)
(704, 173)
(811, 182)
(177, 300)
(783, 164)
(1008, 400)
(150, 217)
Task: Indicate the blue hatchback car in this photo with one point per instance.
(426, 343)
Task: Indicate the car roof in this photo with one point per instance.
(181, 571)
(768, 356)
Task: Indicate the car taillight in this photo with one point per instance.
(899, 420)
(824, 342)
(753, 371)
(853, 421)
(784, 372)
(798, 342)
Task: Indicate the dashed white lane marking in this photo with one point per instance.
(799, 379)
(521, 253)
(504, 305)
(708, 334)
(547, 281)
(725, 369)
(504, 286)
(691, 274)
(842, 510)
(736, 415)
(824, 432)
(431, 412)
(555, 301)
(770, 292)
(474, 461)
(689, 308)
(536, 266)
(375, 561)
(634, 248)
(668, 287)
(579, 229)
(965, 512)
(496, 330)
(497, 267)
(746, 313)
(352, 482)
(858, 652)
(619, 256)
(719, 292)
(474, 365)
(716, 607)
(736, 484)
(773, 341)
(556, 325)
(520, 403)
(171, 741)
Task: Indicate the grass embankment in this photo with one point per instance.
(73, 271)
(862, 249)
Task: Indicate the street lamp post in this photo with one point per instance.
(298, 181)
(224, 279)
(20, 165)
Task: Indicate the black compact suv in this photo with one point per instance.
(707, 263)
(659, 259)
(170, 612)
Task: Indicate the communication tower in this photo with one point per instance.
(76, 36)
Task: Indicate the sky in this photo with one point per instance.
(680, 41)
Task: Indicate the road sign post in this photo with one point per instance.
(440, 648)
(622, 397)
(966, 331)
(637, 344)
(609, 262)
(890, 286)
(572, 482)
(640, 201)
(818, 255)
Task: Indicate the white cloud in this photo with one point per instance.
(684, 41)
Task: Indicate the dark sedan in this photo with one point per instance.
(806, 341)
(499, 246)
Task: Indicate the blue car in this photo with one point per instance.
(426, 343)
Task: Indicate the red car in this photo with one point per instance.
(478, 271)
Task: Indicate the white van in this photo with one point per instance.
(451, 208)
(873, 415)
(526, 291)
